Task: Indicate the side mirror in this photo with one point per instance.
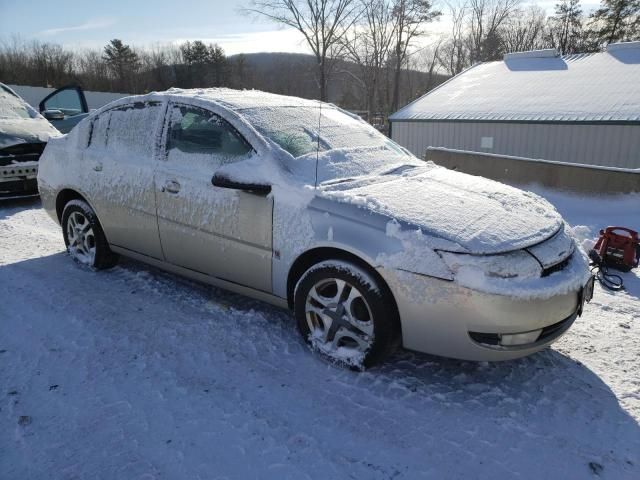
(225, 182)
(53, 114)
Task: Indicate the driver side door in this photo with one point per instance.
(218, 231)
(65, 107)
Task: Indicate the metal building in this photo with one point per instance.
(577, 108)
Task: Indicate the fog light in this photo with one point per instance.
(519, 338)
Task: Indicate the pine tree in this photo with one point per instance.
(207, 64)
(565, 27)
(616, 20)
(122, 61)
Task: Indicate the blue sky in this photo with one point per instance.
(86, 23)
(92, 24)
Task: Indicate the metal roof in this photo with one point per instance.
(539, 86)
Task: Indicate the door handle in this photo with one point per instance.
(97, 167)
(171, 186)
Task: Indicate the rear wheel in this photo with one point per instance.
(84, 237)
(345, 315)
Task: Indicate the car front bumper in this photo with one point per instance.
(443, 318)
(19, 180)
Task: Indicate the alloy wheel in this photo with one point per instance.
(339, 318)
(82, 241)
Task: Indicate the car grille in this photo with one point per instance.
(23, 152)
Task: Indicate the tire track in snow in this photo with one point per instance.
(163, 377)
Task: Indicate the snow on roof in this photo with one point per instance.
(539, 86)
(241, 99)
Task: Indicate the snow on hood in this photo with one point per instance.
(481, 215)
(20, 123)
(27, 130)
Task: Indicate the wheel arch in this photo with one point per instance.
(319, 254)
(65, 196)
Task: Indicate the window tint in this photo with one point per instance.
(67, 101)
(197, 131)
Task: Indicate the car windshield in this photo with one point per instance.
(296, 128)
(12, 106)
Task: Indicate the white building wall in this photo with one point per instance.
(591, 144)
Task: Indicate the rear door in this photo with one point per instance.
(120, 160)
(217, 231)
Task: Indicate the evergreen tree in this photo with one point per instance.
(565, 27)
(122, 62)
(207, 63)
(616, 20)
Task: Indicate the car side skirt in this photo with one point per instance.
(203, 277)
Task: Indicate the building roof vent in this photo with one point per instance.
(616, 47)
(546, 53)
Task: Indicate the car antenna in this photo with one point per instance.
(318, 146)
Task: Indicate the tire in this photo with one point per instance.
(344, 314)
(84, 237)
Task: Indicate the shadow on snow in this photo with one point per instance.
(206, 349)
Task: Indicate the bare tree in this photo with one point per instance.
(323, 23)
(428, 61)
(367, 45)
(409, 22)
(485, 19)
(524, 30)
(453, 54)
(93, 70)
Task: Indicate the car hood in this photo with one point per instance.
(480, 215)
(25, 130)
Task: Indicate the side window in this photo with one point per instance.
(67, 100)
(98, 131)
(196, 131)
(131, 128)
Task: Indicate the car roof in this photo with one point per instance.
(239, 100)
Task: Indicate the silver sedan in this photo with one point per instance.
(305, 206)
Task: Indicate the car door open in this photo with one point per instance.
(213, 229)
(65, 107)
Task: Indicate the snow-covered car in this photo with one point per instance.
(303, 205)
(24, 134)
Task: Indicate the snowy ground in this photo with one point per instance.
(138, 374)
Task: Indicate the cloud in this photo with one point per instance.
(281, 40)
(92, 24)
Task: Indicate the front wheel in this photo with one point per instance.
(84, 237)
(344, 313)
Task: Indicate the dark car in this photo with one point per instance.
(24, 133)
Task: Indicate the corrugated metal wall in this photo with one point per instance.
(607, 145)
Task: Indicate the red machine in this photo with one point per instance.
(619, 248)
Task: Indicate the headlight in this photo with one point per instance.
(517, 264)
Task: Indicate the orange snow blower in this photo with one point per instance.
(618, 248)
